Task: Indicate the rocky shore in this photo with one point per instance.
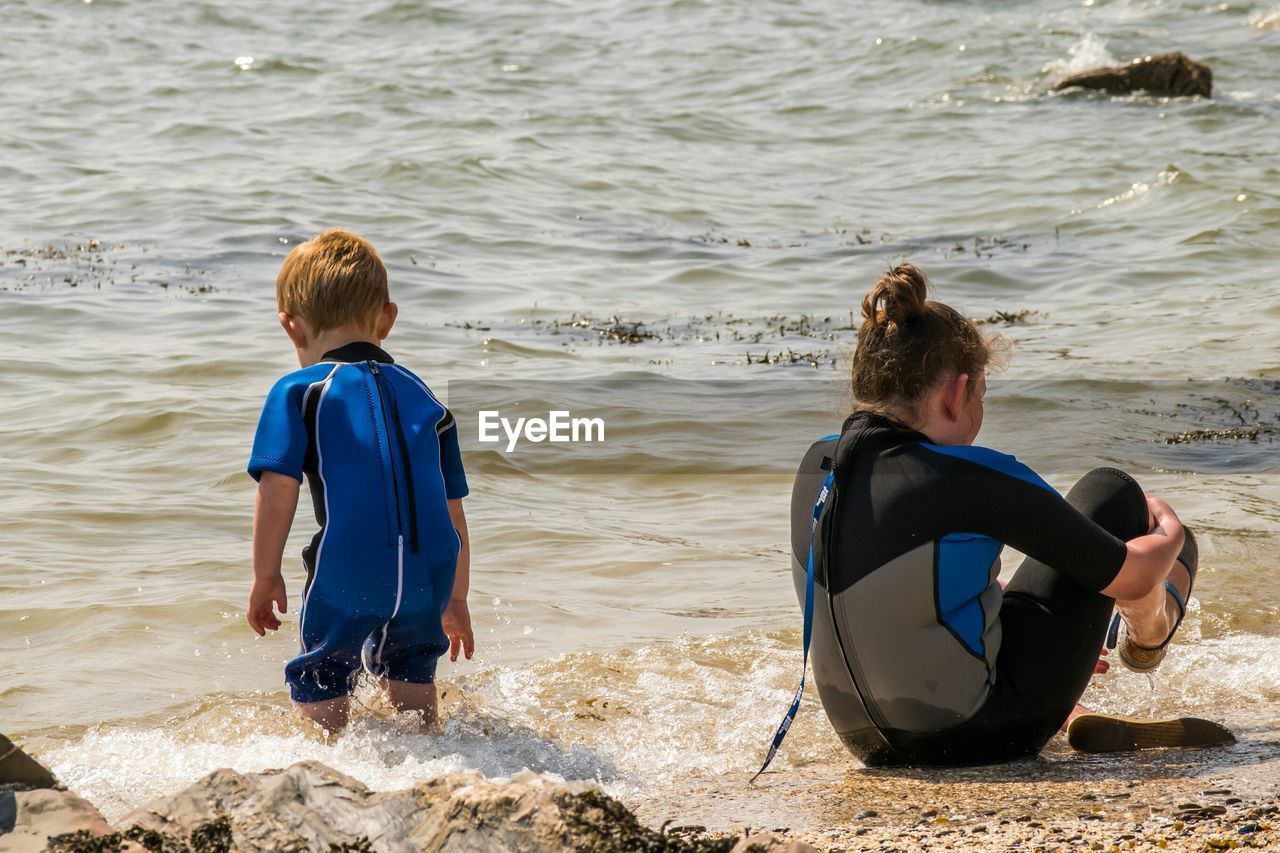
(1049, 809)
(310, 806)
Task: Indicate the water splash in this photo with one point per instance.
(1266, 21)
(1088, 53)
(641, 722)
(1166, 177)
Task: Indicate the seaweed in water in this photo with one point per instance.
(704, 327)
(89, 263)
(1251, 433)
(622, 332)
(812, 359)
(1255, 419)
(1009, 318)
(93, 265)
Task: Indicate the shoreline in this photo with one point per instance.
(1195, 799)
(1039, 804)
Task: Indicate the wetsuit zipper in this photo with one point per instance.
(391, 420)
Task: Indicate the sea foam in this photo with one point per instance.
(638, 722)
(1088, 53)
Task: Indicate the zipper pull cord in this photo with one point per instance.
(393, 409)
(382, 410)
(406, 464)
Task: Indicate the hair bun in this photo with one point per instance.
(898, 297)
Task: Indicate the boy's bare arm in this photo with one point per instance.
(462, 578)
(273, 510)
(457, 617)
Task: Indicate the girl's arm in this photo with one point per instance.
(1149, 557)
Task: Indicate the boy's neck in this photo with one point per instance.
(332, 339)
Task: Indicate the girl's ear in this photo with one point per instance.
(295, 329)
(954, 394)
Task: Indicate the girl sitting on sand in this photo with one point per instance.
(919, 655)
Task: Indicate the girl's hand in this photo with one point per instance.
(265, 592)
(456, 622)
(1163, 518)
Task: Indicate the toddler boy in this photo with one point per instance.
(388, 571)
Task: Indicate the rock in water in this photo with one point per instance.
(30, 820)
(313, 807)
(1171, 75)
(34, 810)
(18, 768)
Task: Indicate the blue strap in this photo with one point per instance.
(1178, 600)
(1113, 632)
(781, 733)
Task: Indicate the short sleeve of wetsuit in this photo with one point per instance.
(1002, 498)
(280, 444)
(455, 479)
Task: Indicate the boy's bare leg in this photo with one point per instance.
(1152, 617)
(331, 714)
(406, 696)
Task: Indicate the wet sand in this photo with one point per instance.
(1199, 799)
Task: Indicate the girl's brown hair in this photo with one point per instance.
(909, 342)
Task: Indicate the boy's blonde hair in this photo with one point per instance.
(333, 279)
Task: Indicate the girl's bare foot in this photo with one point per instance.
(1152, 618)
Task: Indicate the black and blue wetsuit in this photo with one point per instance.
(381, 455)
(918, 655)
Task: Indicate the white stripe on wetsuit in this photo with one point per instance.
(315, 568)
(377, 658)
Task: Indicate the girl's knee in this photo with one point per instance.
(1114, 500)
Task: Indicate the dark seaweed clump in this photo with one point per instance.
(988, 246)
(1009, 318)
(859, 239)
(775, 332)
(1253, 419)
(699, 328)
(614, 330)
(812, 359)
(93, 265)
(212, 837)
(360, 845)
(598, 822)
(1252, 433)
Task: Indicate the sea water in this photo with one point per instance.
(684, 199)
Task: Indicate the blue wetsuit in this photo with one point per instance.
(381, 455)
